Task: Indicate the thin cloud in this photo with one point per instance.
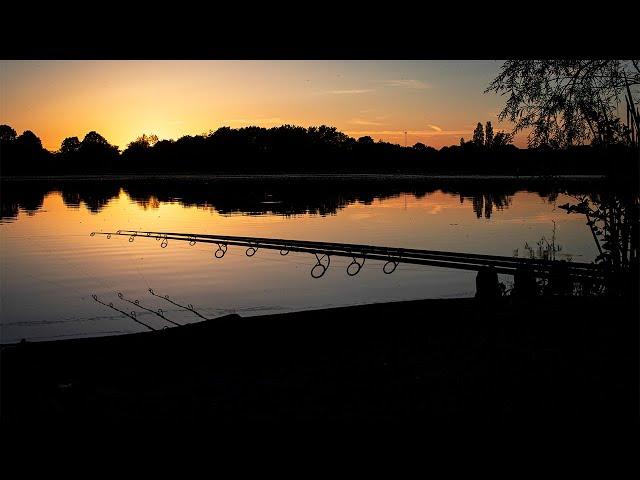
(410, 132)
(434, 127)
(353, 91)
(407, 83)
(360, 121)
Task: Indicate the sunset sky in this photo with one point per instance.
(436, 102)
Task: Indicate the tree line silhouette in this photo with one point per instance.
(295, 149)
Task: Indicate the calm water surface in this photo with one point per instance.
(50, 265)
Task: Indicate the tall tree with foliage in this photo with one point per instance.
(7, 134)
(502, 139)
(70, 145)
(478, 135)
(568, 102)
(488, 135)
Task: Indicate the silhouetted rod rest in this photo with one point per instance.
(392, 256)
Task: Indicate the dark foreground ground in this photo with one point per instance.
(548, 361)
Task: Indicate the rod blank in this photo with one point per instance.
(392, 256)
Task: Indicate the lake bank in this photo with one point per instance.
(567, 359)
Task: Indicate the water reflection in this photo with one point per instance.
(281, 196)
(50, 267)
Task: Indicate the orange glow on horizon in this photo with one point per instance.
(434, 102)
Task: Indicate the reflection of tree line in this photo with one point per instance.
(29, 196)
(279, 196)
(483, 203)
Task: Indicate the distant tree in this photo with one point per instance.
(420, 147)
(70, 145)
(462, 141)
(138, 153)
(366, 140)
(96, 153)
(7, 134)
(24, 155)
(501, 139)
(94, 138)
(329, 135)
(148, 140)
(488, 135)
(220, 132)
(568, 102)
(478, 135)
(29, 140)
(143, 142)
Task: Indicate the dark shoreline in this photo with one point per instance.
(551, 359)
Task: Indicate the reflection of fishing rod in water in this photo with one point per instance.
(188, 307)
(392, 257)
(131, 315)
(159, 313)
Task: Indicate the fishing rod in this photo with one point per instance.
(346, 246)
(391, 256)
(132, 315)
(159, 313)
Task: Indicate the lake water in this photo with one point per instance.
(51, 266)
